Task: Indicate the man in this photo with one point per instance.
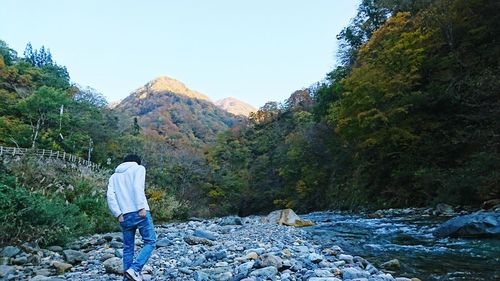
(127, 202)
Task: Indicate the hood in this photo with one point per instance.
(125, 166)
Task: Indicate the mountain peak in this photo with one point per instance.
(235, 106)
(164, 84)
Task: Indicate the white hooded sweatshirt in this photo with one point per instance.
(126, 189)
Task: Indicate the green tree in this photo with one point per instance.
(42, 111)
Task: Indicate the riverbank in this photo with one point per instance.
(229, 248)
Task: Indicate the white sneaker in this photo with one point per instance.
(132, 275)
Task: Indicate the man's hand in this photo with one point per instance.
(142, 213)
(120, 218)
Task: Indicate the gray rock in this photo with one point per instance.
(443, 209)
(107, 257)
(266, 260)
(193, 240)
(185, 270)
(323, 279)
(198, 260)
(75, 246)
(205, 234)
(244, 268)
(10, 251)
(392, 265)
(216, 255)
(339, 263)
(116, 244)
(34, 259)
(30, 247)
(41, 278)
(224, 276)
(353, 273)
(113, 266)
(200, 276)
(346, 258)
(99, 241)
(303, 249)
(258, 251)
(323, 273)
(164, 242)
(57, 249)
(232, 220)
(20, 260)
(315, 258)
(61, 267)
(43, 272)
(74, 257)
(266, 272)
(119, 253)
(6, 270)
(238, 277)
(381, 277)
(479, 224)
(249, 279)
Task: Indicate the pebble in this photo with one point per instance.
(230, 248)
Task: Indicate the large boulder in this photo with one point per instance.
(491, 204)
(74, 257)
(444, 209)
(10, 251)
(61, 267)
(479, 224)
(113, 265)
(286, 217)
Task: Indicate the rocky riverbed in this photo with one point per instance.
(229, 248)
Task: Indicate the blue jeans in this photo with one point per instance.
(131, 222)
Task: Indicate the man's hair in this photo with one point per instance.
(132, 158)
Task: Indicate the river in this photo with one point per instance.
(407, 235)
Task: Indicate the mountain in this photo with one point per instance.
(164, 84)
(235, 106)
(165, 107)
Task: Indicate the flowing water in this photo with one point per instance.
(407, 236)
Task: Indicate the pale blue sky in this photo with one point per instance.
(256, 51)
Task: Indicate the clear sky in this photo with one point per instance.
(254, 50)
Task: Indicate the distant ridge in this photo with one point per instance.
(235, 106)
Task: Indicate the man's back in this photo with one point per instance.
(126, 189)
(127, 202)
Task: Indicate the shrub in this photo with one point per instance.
(165, 207)
(26, 216)
(48, 202)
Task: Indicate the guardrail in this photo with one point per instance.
(47, 153)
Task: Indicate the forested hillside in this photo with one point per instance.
(165, 108)
(409, 118)
(41, 108)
